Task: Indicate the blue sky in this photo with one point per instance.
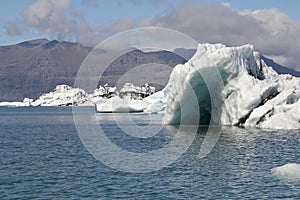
(272, 26)
(103, 13)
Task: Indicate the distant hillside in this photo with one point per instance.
(34, 67)
(31, 68)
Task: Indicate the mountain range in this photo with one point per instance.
(31, 68)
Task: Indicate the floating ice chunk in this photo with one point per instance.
(26, 102)
(289, 172)
(62, 95)
(118, 105)
(154, 103)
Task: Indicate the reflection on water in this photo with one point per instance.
(36, 115)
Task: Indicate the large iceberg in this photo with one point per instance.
(231, 86)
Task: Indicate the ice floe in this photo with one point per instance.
(289, 172)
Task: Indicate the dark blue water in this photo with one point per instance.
(42, 157)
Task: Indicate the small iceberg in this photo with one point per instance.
(154, 103)
(131, 99)
(25, 103)
(118, 105)
(288, 173)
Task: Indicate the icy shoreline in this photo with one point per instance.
(218, 85)
(64, 95)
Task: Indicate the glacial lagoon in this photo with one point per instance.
(42, 156)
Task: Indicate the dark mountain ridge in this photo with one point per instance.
(31, 68)
(34, 67)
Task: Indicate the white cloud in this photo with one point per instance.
(226, 4)
(44, 12)
(58, 19)
(13, 28)
(281, 36)
(271, 31)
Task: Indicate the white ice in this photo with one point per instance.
(231, 86)
(289, 172)
(218, 85)
(26, 102)
(131, 99)
(63, 95)
(118, 105)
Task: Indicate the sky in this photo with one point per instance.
(273, 27)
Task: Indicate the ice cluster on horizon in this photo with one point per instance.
(131, 98)
(63, 95)
(218, 85)
(26, 102)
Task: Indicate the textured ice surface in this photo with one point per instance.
(118, 105)
(63, 95)
(231, 86)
